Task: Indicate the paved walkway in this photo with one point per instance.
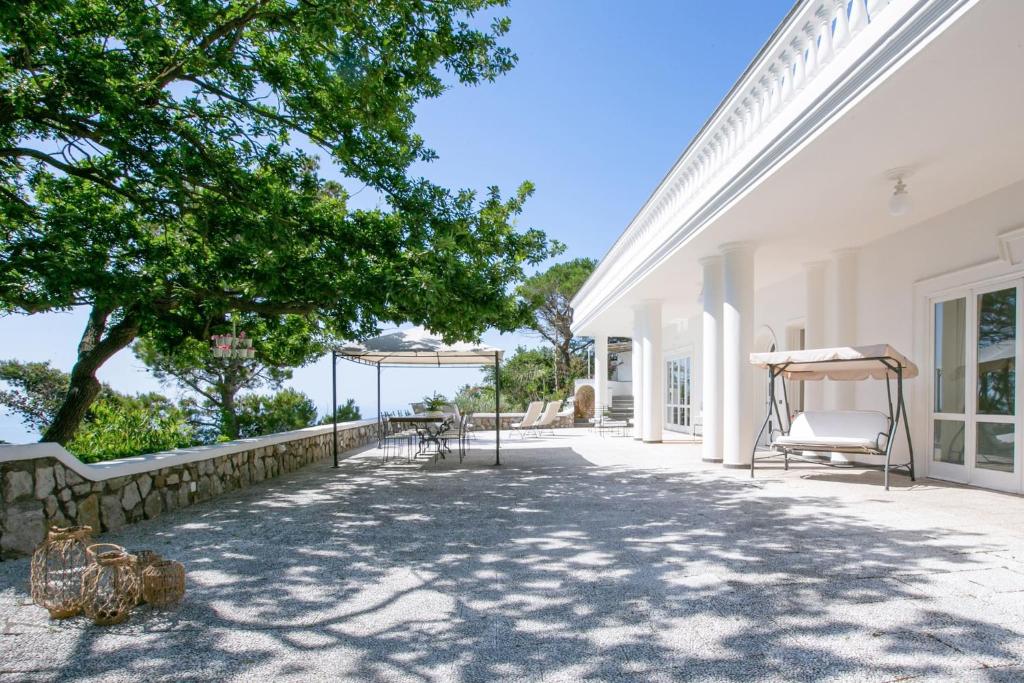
(581, 558)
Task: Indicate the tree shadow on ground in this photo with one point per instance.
(547, 568)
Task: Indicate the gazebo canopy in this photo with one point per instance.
(877, 361)
(417, 347)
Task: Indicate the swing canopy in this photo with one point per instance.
(876, 361)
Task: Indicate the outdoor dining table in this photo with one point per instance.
(428, 429)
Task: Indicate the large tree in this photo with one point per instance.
(548, 294)
(282, 343)
(157, 165)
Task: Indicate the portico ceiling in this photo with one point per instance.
(950, 113)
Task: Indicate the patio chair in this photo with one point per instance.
(440, 436)
(548, 417)
(529, 419)
(457, 431)
(396, 438)
(419, 408)
(611, 420)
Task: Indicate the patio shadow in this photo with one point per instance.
(548, 568)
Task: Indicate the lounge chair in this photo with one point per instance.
(530, 418)
(548, 417)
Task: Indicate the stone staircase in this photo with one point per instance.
(622, 408)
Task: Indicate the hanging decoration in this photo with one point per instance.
(235, 345)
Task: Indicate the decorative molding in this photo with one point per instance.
(662, 226)
(1011, 246)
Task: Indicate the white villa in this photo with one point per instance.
(862, 183)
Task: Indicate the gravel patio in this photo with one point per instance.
(581, 558)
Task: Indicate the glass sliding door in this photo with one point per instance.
(995, 388)
(949, 412)
(975, 431)
(678, 399)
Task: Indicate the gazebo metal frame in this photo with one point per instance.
(456, 355)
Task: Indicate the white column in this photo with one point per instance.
(601, 397)
(815, 284)
(711, 354)
(653, 393)
(638, 375)
(844, 318)
(737, 340)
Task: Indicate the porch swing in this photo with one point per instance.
(856, 432)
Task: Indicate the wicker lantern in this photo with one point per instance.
(163, 583)
(110, 587)
(56, 572)
(143, 559)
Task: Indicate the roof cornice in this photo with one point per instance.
(783, 97)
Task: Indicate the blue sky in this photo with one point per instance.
(605, 97)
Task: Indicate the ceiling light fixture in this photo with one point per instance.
(899, 202)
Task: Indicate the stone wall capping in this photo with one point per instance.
(43, 485)
(111, 469)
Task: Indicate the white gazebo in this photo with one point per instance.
(416, 347)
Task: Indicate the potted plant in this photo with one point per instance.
(434, 405)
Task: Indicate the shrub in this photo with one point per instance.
(281, 412)
(123, 427)
(348, 412)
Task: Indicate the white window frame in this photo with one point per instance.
(968, 283)
(690, 406)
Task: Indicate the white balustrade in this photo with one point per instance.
(858, 16)
(811, 64)
(787, 76)
(796, 58)
(824, 17)
(799, 62)
(841, 31)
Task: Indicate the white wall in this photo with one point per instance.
(889, 273)
(624, 372)
(889, 269)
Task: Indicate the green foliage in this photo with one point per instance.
(347, 412)
(281, 344)
(182, 194)
(477, 399)
(122, 427)
(35, 393)
(435, 401)
(281, 412)
(526, 375)
(163, 101)
(549, 295)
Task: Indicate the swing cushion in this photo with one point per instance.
(859, 430)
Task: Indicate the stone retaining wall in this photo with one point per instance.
(42, 484)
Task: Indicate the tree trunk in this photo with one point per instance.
(563, 364)
(228, 411)
(94, 350)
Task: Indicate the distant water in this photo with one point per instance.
(12, 431)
